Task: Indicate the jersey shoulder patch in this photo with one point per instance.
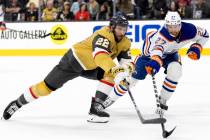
(101, 42)
(160, 40)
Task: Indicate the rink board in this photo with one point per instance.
(21, 43)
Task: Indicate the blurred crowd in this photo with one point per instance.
(68, 10)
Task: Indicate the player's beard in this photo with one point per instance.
(118, 38)
(174, 34)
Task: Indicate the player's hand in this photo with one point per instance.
(119, 74)
(194, 51)
(153, 66)
(2, 26)
(129, 67)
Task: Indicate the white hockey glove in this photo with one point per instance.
(130, 68)
(128, 65)
(119, 74)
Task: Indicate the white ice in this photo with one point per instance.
(63, 114)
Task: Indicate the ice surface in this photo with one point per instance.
(63, 114)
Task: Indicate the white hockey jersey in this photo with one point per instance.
(162, 43)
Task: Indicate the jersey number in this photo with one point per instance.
(160, 41)
(200, 31)
(103, 42)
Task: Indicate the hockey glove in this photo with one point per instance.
(2, 26)
(194, 51)
(153, 66)
(119, 74)
(129, 67)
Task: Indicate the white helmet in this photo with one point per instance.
(172, 18)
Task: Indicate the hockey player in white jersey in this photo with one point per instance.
(160, 49)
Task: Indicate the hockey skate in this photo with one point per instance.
(96, 113)
(11, 109)
(108, 102)
(162, 107)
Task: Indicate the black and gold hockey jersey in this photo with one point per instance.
(100, 49)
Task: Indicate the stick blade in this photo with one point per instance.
(167, 134)
(154, 121)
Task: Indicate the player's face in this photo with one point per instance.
(173, 29)
(120, 31)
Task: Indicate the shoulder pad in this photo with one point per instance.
(106, 32)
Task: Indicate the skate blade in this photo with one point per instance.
(96, 119)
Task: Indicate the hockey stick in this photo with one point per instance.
(22, 31)
(143, 121)
(35, 35)
(165, 133)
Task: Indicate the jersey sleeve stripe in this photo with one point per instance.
(100, 47)
(99, 51)
(147, 44)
